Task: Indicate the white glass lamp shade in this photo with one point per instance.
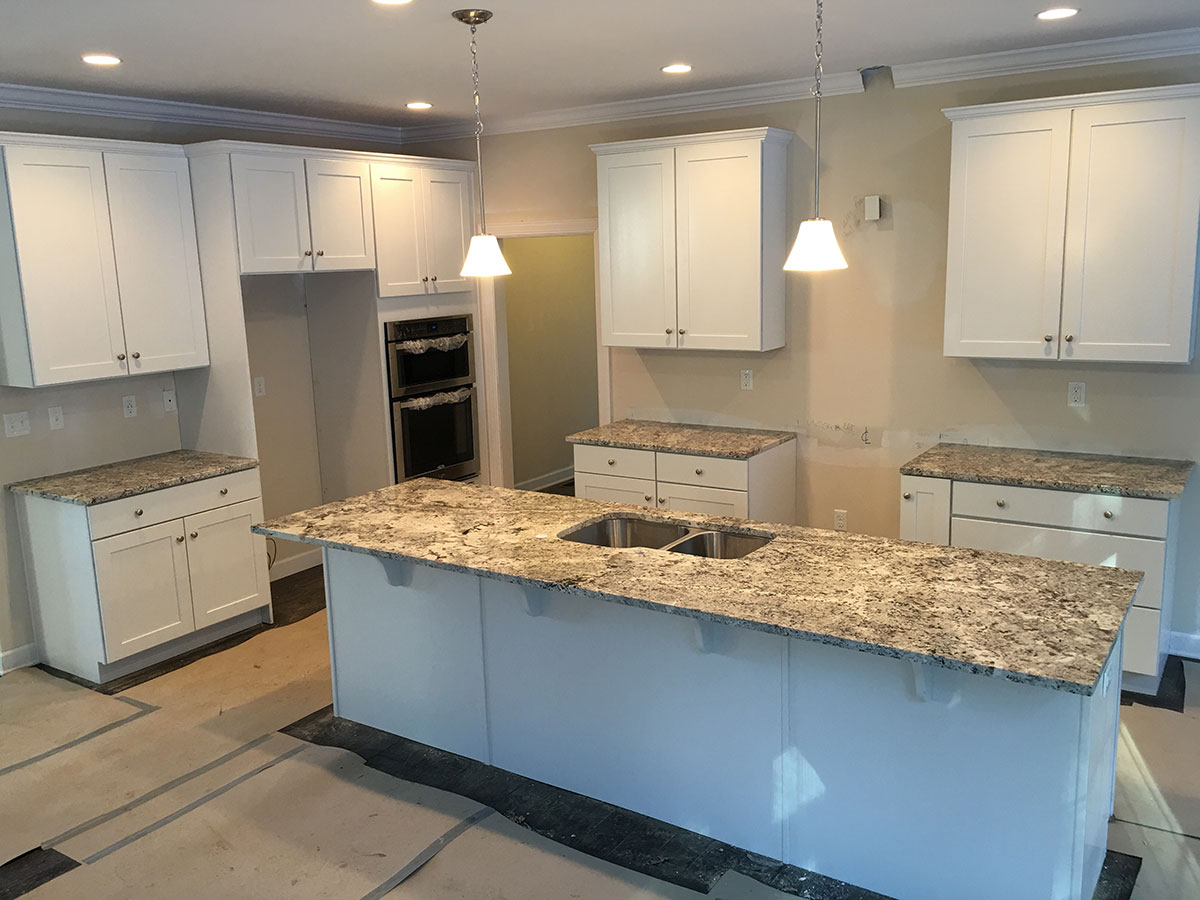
(816, 248)
(484, 258)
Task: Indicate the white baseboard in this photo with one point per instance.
(1184, 644)
(548, 480)
(298, 563)
(19, 657)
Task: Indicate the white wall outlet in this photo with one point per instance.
(56, 418)
(839, 520)
(747, 379)
(1076, 394)
(16, 424)
(169, 404)
(129, 404)
(260, 386)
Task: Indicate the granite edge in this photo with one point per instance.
(97, 499)
(689, 451)
(1076, 486)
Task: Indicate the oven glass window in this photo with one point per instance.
(438, 437)
(431, 367)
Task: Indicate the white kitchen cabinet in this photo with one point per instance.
(422, 228)
(99, 268)
(302, 215)
(925, 509)
(1073, 227)
(691, 241)
(227, 571)
(706, 500)
(615, 489)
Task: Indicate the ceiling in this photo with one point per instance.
(359, 61)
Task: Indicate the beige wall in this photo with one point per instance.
(550, 301)
(864, 345)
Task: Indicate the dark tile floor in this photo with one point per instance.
(31, 870)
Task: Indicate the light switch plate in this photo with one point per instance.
(56, 418)
(169, 404)
(872, 208)
(129, 404)
(260, 386)
(16, 424)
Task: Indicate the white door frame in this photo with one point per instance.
(494, 334)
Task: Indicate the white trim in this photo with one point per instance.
(648, 107)
(559, 228)
(114, 106)
(301, 562)
(548, 480)
(216, 148)
(1073, 101)
(1184, 644)
(1178, 42)
(767, 135)
(19, 657)
(85, 143)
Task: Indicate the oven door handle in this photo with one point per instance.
(442, 399)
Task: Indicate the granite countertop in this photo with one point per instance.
(131, 477)
(1125, 476)
(674, 437)
(1034, 621)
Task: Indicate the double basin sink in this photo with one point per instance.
(693, 540)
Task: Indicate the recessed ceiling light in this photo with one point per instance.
(1058, 12)
(419, 104)
(392, 2)
(101, 59)
(677, 68)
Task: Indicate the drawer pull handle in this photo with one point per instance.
(649, 497)
(179, 540)
(138, 511)
(612, 462)
(907, 495)
(1108, 514)
(224, 491)
(1001, 504)
(194, 535)
(699, 471)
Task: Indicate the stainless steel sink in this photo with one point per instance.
(627, 531)
(693, 540)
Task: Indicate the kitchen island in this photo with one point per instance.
(923, 721)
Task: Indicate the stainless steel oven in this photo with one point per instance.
(431, 373)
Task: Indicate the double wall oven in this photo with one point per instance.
(431, 377)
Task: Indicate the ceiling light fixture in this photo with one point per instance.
(101, 59)
(484, 258)
(677, 69)
(393, 2)
(816, 248)
(1058, 12)
(419, 104)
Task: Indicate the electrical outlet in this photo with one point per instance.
(747, 379)
(1076, 394)
(129, 404)
(16, 424)
(839, 520)
(56, 418)
(169, 404)
(260, 386)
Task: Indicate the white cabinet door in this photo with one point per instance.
(710, 501)
(158, 266)
(1008, 194)
(145, 598)
(228, 564)
(271, 208)
(339, 205)
(614, 488)
(718, 201)
(1129, 285)
(925, 509)
(400, 244)
(68, 270)
(448, 228)
(637, 248)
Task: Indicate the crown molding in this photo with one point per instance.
(1154, 45)
(648, 107)
(1074, 101)
(113, 106)
(766, 135)
(223, 147)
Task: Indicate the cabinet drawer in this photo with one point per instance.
(1063, 509)
(1141, 554)
(1141, 642)
(614, 461)
(709, 471)
(615, 489)
(129, 513)
(707, 500)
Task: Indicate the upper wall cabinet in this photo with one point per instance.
(99, 272)
(1073, 228)
(302, 215)
(422, 228)
(692, 241)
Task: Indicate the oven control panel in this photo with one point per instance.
(428, 328)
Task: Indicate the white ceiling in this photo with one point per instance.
(359, 61)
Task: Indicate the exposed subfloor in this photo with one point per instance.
(195, 784)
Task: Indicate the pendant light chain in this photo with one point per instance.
(818, 51)
(478, 127)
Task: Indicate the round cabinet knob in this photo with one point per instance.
(670, 331)
(907, 495)
(425, 279)
(320, 253)
(179, 540)
(138, 511)
(224, 491)
(649, 497)
(1068, 338)
(121, 357)
(434, 278)
(1001, 503)
(1108, 514)
(136, 355)
(194, 535)
(1049, 339)
(308, 253)
(683, 331)
(662, 499)
(612, 462)
(699, 471)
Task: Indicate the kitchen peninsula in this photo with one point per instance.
(843, 702)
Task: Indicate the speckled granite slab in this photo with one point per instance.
(1126, 476)
(1024, 619)
(674, 437)
(131, 477)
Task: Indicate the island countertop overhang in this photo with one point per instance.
(1027, 620)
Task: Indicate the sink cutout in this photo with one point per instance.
(719, 544)
(692, 540)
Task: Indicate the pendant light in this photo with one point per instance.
(816, 248)
(484, 258)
